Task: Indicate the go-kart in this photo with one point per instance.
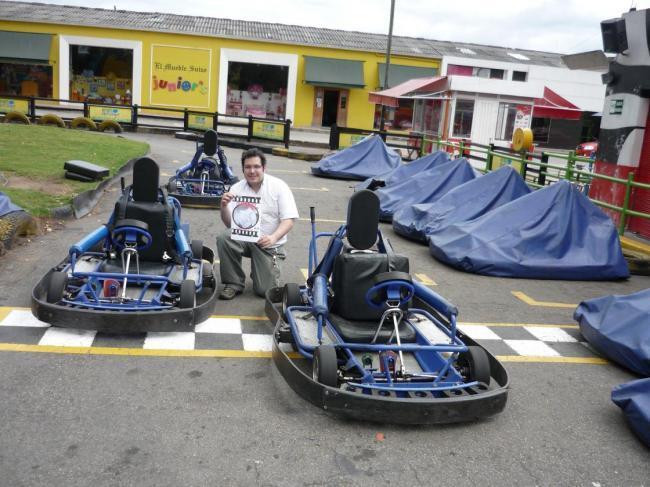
(372, 343)
(137, 273)
(202, 182)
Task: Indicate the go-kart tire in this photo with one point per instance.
(477, 364)
(187, 294)
(56, 287)
(325, 366)
(291, 296)
(197, 248)
(171, 187)
(51, 119)
(208, 275)
(16, 117)
(110, 125)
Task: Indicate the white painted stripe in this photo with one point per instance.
(550, 334)
(479, 332)
(66, 337)
(23, 318)
(219, 325)
(257, 343)
(182, 340)
(532, 348)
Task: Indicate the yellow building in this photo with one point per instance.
(313, 76)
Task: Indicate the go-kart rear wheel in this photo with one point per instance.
(474, 365)
(291, 296)
(197, 248)
(325, 366)
(188, 294)
(56, 286)
(208, 275)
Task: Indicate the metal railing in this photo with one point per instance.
(135, 116)
(537, 171)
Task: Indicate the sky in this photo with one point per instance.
(563, 26)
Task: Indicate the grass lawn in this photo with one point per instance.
(32, 158)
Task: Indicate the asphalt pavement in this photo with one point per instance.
(103, 420)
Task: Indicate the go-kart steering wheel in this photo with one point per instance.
(392, 288)
(132, 234)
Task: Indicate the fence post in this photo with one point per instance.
(461, 148)
(186, 119)
(215, 121)
(250, 128)
(489, 157)
(438, 143)
(134, 115)
(570, 163)
(287, 132)
(421, 153)
(32, 109)
(626, 203)
(541, 180)
(334, 137)
(523, 164)
(86, 110)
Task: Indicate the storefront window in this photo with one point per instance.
(259, 90)
(400, 118)
(541, 128)
(26, 79)
(463, 118)
(510, 117)
(101, 74)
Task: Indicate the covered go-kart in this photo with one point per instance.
(379, 346)
(137, 273)
(202, 182)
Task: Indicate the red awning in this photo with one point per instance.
(554, 106)
(391, 96)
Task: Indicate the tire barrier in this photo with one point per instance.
(16, 117)
(110, 125)
(83, 123)
(51, 119)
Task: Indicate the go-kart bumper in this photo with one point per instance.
(472, 404)
(197, 200)
(118, 321)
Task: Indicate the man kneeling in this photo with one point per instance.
(263, 209)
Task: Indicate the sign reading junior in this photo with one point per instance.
(180, 76)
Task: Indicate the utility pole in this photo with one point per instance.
(390, 41)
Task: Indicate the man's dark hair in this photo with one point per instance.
(253, 152)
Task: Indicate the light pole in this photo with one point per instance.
(390, 40)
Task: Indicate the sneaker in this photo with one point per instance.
(228, 292)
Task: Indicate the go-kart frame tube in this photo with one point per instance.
(383, 406)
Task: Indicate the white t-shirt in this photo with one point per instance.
(276, 203)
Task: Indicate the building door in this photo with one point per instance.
(330, 108)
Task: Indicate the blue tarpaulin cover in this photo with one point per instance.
(6, 206)
(634, 399)
(425, 187)
(619, 328)
(465, 202)
(404, 171)
(363, 160)
(552, 233)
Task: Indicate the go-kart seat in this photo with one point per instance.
(210, 142)
(147, 205)
(353, 273)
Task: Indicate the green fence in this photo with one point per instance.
(537, 171)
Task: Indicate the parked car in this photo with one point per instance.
(587, 149)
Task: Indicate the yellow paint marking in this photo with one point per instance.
(628, 243)
(424, 279)
(518, 325)
(321, 220)
(548, 304)
(313, 189)
(305, 273)
(176, 161)
(165, 174)
(240, 317)
(290, 171)
(136, 352)
(553, 360)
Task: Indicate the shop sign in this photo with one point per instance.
(268, 130)
(500, 161)
(180, 76)
(12, 105)
(100, 112)
(198, 121)
(346, 140)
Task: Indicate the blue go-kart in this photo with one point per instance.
(137, 273)
(202, 182)
(378, 345)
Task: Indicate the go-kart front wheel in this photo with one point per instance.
(188, 294)
(197, 249)
(291, 296)
(325, 366)
(474, 365)
(56, 286)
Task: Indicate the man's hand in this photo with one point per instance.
(266, 241)
(227, 198)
